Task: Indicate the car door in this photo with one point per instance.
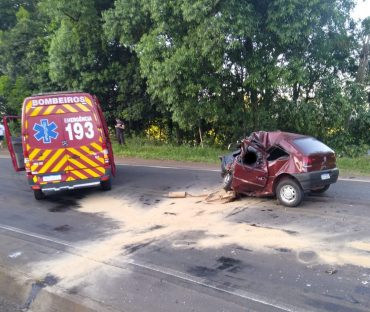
(250, 171)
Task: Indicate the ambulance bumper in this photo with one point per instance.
(69, 185)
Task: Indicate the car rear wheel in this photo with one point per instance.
(38, 194)
(106, 185)
(228, 179)
(289, 193)
(321, 189)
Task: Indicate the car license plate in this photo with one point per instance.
(54, 177)
(325, 176)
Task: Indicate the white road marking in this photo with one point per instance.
(169, 167)
(34, 235)
(15, 254)
(354, 180)
(238, 293)
(207, 170)
(218, 170)
(169, 272)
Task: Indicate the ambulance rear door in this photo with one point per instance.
(84, 144)
(13, 136)
(46, 147)
(105, 131)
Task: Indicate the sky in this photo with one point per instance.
(362, 9)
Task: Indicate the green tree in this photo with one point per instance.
(8, 10)
(200, 69)
(23, 51)
(81, 57)
(227, 65)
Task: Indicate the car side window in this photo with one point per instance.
(276, 152)
(250, 158)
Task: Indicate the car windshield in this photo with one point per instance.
(310, 146)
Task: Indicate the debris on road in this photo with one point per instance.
(331, 271)
(177, 194)
(216, 196)
(221, 196)
(15, 254)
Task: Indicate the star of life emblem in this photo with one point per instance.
(45, 131)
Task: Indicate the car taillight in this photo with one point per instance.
(307, 162)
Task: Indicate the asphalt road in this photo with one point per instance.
(321, 264)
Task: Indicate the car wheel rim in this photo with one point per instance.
(227, 179)
(288, 193)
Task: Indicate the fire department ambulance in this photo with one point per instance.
(63, 143)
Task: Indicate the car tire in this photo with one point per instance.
(320, 190)
(106, 185)
(289, 193)
(228, 179)
(39, 195)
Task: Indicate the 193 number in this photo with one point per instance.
(78, 130)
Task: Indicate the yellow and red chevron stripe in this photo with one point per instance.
(56, 109)
(80, 163)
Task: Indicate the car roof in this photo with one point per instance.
(269, 138)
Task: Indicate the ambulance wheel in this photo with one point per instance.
(38, 194)
(106, 185)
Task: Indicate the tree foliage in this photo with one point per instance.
(200, 70)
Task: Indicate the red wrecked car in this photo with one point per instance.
(281, 164)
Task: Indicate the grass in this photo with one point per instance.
(143, 148)
(353, 166)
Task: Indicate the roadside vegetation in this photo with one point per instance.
(148, 149)
(144, 148)
(197, 73)
(352, 166)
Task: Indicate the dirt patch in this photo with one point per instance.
(365, 246)
(141, 226)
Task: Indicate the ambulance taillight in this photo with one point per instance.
(105, 153)
(27, 165)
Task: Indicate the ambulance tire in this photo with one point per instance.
(106, 185)
(39, 195)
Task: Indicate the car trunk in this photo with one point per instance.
(316, 155)
(320, 161)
